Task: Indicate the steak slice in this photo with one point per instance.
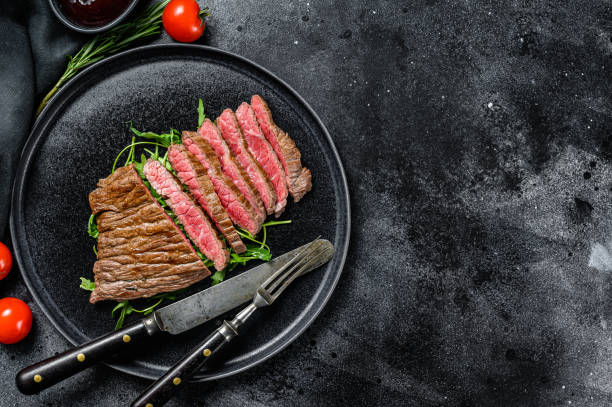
(196, 224)
(141, 252)
(264, 154)
(230, 129)
(231, 167)
(239, 209)
(191, 173)
(299, 179)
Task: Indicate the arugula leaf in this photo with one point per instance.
(118, 306)
(201, 115)
(217, 277)
(87, 284)
(245, 234)
(252, 253)
(130, 158)
(92, 227)
(164, 139)
(220, 274)
(139, 165)
(127, 308)
(131, 147)
(276, 222)
(260, 251)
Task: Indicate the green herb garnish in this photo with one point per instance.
(131, 146)
(127, 308)
(102, 45)
(201, 115)
(87, 284)
(164, 139)
(92, 227)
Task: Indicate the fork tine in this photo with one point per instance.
(303, 256)
(290, 263)
(298, 273)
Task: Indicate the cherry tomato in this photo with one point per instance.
(15, 320)
(182, 21)
(6, 261)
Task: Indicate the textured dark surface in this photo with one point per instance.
(477, 143)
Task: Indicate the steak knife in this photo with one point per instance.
(174, 319)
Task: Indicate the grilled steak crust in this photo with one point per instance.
(196, 224)
(230, 166)
(231, 132)
(239, 209)
(299, 179)
(191, 173)
(141, 252)
(264, 154)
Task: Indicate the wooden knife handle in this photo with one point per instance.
(45, 374)
(162, 390)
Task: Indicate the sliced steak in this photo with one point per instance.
(195, 222)
(299, 179)
(239, 209)
(141, 252)
(231, 167)
(264, 154)
(230, 130)
(191, 173)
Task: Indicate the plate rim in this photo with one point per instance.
(29, 148)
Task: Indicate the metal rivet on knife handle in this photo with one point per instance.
(149, 405)
(126, 338)
(38, 378)
(81, 357)
(176, 381)
(206, 352)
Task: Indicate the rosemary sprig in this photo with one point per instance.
(105, 44)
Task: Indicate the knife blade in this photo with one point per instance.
(174, 318)
(208, 304)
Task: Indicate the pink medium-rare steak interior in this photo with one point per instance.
(191, 173)
(263, 153)
(196, 225)
(239, 209)
(299, 179)
(230, 165)
(230, 130)
(141, 252)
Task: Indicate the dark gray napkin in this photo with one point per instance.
(33, 50)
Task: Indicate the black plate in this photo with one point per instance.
(74, 143)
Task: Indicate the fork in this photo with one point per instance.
(162, 390)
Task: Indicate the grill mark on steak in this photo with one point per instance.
(231, 132)
(299, 179)
(191, 173)
(195, 222)
(141, 252)
(230, 166)
(239, 209)
(264, 154)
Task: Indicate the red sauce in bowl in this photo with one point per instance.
(93, 13)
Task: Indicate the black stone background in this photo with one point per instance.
(477, 140)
